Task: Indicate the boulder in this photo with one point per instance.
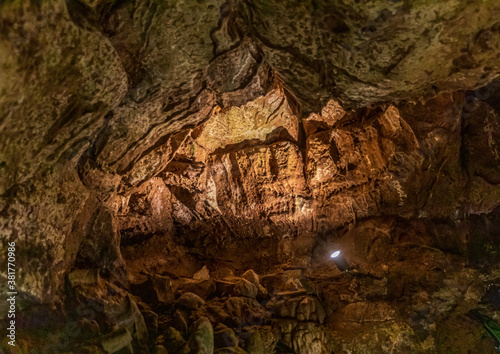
(246, 311)
(117, 340)
(221, 273)
(202, 337)
(181, 320)
(202, 274)
(89, 328)
(224, 337)
(287, 307)
(236, 286)
(150, 319)
(252, 277)
(282, 281)
(174, 342)
(202, 288)
(254, 344)
(216, 314)
(155, 289)
(190, 301)
(330, 114)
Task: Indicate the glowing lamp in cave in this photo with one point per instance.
(335, 254)
(340, 261)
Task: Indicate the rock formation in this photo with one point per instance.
(175, 174)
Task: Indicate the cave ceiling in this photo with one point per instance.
(152, 139)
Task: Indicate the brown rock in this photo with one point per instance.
(202, 274)
(203, 288)
(216, 313)
(254, 343)
(252, 277)
(202, 337)
(83, 277)
(224, 337)
(236, 286)
(117, 340)
(331, 114)
(221, 273)
(181, 321)
(190, 301)
(146, 137)
(284, 281)
(251, 122)
(174, 342)
(155, 289)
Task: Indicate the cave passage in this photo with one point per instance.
(249, 176)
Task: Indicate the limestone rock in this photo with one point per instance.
(254, 343)
(252, 122)
(305, 335)
(310, 309)
(156, 289)
(117, 340)
(141, 138)
(202, 274)
(236, 286)
(190, 301)
(282, 281)
(151, 320)
(252, 277)
(181, 321)
(224, 337)
(174, 341)
(221, 273)
(330, 114)
(115, 306)
(217, 314)
(245, 312)
(95, 104)
(202, 288)
(202, 337)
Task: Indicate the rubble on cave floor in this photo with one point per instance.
(413, 298)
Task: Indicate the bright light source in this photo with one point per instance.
(340, 261)
(335, 254)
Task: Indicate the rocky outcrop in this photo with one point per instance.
(125, 78)
(142, 141)
(416, 299)
(376, 51)
(286, 190)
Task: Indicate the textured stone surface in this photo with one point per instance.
(377, 51)
(104, 85)
(202, 339)
(142, 141)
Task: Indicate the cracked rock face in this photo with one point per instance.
(175, 174)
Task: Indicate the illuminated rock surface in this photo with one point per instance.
(176, 174)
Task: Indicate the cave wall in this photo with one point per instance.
(151, 136)
(279, 192)
(102, 85)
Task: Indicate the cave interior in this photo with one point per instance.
(177, 175)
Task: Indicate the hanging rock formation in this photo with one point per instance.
(153, 153)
